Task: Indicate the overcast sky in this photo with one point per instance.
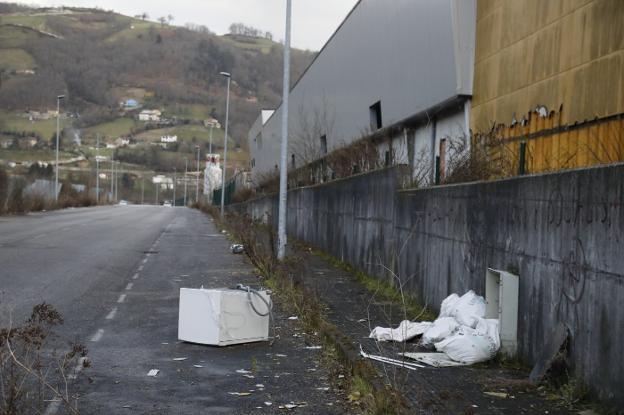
(314, 21)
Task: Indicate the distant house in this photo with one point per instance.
(111, 145)
(122, 142)
(169, 139)
(150, 115)
(131, 103)
(212, 121)
(164, 181)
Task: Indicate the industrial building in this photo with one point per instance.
(397, 72)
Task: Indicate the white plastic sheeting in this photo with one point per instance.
(461, 332)
(407, 330)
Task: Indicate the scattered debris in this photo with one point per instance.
(243, 371)
(127, 407)
(323, 389)
(180, 359)
(497, 394)
(280, 355)
(293, 405)
(249, 376)
(153, 372)
(165, 343)
(387, 360)
(268, 403)
(259, 386)
(198, 366)
(407, 330)
(293, 318)
(239, 393)
(314, 347)
(461, 330)
(433, 359)
(237, 248)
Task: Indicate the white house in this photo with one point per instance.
(169, 139)
(150, 115)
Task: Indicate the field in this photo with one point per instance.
(250, 43)
(45, 128)
(186, 133)
(14, 59)
(19, 156)
(113, 129)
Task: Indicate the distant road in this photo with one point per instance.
(68, 258)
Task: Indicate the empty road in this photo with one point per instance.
(114, 273)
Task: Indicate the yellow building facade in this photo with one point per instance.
(549, 83)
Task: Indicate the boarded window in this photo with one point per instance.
(375, 116)
(324, 144)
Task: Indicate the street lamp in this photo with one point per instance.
(283, 190)
(185, 176)
(58, 123)
(97, 170)
(197, 182)
(225, 139)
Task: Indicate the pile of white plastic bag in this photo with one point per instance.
(461, 331)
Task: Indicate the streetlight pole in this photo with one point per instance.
(174, 186)
(97, 170)
(117, 181)
(283, 191)
(185, 177)
(197, 181)
(58, 132)
(142, 190)
(225, 140)
(112, 177)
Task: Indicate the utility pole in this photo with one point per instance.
(281, 228)
(112, 176)
(225, 141)
(175, 177)
(117, 181)
(197, 182)
(142, 190)
(185, 177)
(58, 133)
(156, 193)
(97, 170)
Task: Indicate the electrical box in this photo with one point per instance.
(221, 317)
(501, 299)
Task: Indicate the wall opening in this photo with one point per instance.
(292, 161)
(323, 144)
(375, 116)
(501, 299)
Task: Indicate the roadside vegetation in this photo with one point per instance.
(366, 392)
(34, 373)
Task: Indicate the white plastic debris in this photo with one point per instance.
(469, 309)
(180, 359)
(237, 248)
(461, 332)
(153, 372)
(439, 330)
(469, 345)
(407, 330)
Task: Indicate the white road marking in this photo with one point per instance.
(122, 298)
(40, 236)
(98, 335)
(112, 314)
(140, 267)
(135, 276)
(145, 259)
(129, 286)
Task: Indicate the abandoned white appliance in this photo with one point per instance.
(501, 299)
(222, 317)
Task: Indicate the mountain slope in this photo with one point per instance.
(100, 58)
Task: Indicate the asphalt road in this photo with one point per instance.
(115, 273)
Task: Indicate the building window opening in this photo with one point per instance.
(324, 144)
(375, 116)
(292, 161)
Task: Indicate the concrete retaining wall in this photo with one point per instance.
(562, 233)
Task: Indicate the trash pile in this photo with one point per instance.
(237, 248)
(461, 334)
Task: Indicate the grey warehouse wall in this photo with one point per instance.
(562, 233)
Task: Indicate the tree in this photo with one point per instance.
(144, 16)
(170, 18)
(162, 20)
